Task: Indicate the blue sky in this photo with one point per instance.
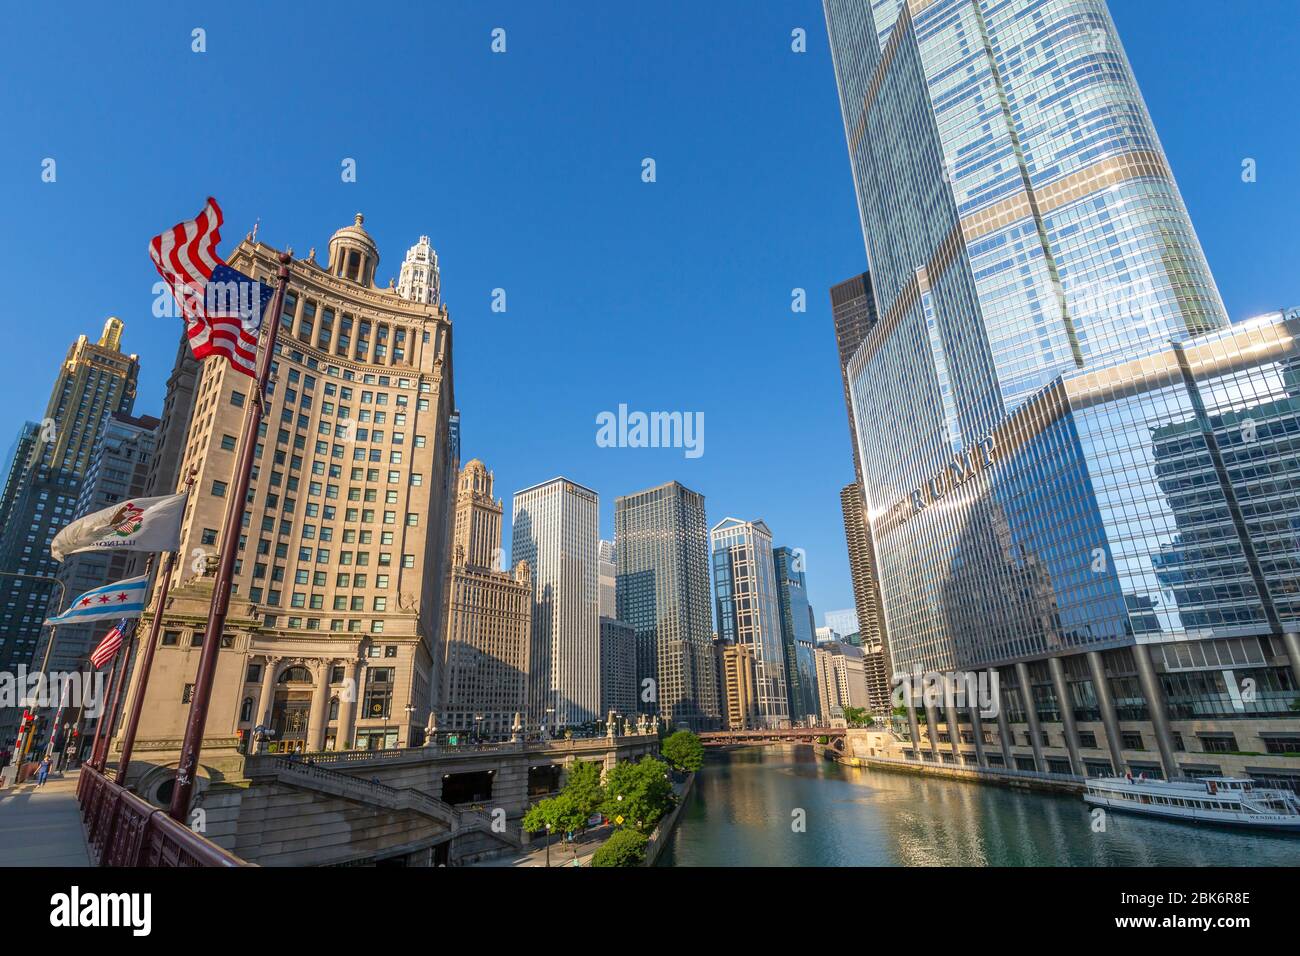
(525, 169)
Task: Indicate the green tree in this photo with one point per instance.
(683, 751)
(623, 848)
(638, 794)
(561, 813)
(857, 717)
(584, 786)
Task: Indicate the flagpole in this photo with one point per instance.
(146, 666)
(194, 726)
(99, 724)
(124, 653)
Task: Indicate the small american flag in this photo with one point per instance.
(222, 307)
(102, 654)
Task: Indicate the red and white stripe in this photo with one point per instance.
(102, 654)
(185, 256)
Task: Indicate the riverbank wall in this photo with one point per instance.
(659, 838)
(864, 748)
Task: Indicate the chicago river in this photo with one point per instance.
(747, 805)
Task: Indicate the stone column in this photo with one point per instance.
(348, 707)
(320, 700)
(267, 697)
(1031, 715)
(336, 324)
(1106, 703)
(1067, 715)
(1155, 696)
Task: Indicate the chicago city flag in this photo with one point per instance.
(108, 602)
(137, 524)
(222, 308)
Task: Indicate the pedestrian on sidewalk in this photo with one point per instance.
(43, 772)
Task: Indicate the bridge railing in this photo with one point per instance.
(124, 830)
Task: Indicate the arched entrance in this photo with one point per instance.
(291, 710)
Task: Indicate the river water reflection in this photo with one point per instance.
(745, 802)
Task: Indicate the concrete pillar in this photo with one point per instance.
(1031, 715)
(1155, 696)
(348, 705)
(932, 726)
(320, 702)
(914, 727)
(950, 714)
(1291, 641)
(1067, 714)
(977, 728)
(1106, 703)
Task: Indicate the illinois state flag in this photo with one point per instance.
(137, 524)
(222, 308)
(109, 602)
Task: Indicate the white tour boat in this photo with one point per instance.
(1232, 801)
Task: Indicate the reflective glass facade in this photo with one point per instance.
(798, 630)
(744, 593)
(1066, 447)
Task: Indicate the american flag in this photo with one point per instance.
(102, 654)
(222, 307)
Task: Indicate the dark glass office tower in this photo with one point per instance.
(661, 549)
(797, 632)
(1076, 471)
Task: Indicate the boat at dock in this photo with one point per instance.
(1224, 801)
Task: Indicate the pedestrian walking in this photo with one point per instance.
(43, 772)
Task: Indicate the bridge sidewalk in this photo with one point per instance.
(41, 826)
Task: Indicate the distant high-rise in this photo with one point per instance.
(94, 381)
(618, 677)
(797, 631)
(484, 659)
(744, 589)
(119, 470)
(854, 311)
(853, 308)
(662, 548)
(843, 621)
(418, 279)
(841, 679)
(737, 681)
(555, 529)
(608, 580)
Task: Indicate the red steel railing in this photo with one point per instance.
(124, 830)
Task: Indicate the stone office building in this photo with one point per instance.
(337, 601)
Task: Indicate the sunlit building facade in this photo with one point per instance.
(555, 529)
(747, 610)
(1049, 410)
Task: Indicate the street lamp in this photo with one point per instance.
(410, 709)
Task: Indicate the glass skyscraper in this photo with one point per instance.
(798, 633)
(1073, 463)
(744, 592)
(661, 547)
